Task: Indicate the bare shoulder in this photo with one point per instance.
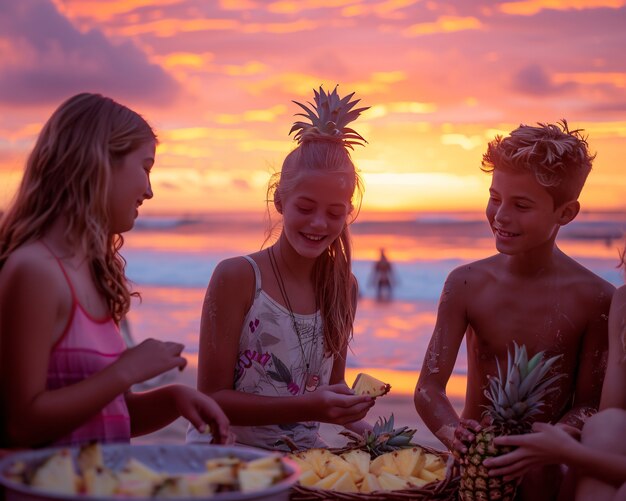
(29, 262)
(476, 271)
(233, 277)
(31, 273)
(587, 282)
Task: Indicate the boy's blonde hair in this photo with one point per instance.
(68, 174)
(559, 158)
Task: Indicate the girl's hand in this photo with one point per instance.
(464, 435)
(547, 445)
(337, 404)
(149, 359)
(202, 411)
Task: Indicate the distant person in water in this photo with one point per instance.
(383, 278)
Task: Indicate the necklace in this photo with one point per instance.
(311, 379)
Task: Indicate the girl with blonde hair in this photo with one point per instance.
(276, 324)
(65, 372)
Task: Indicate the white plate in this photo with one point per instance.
(170, 459)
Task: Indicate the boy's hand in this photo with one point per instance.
(547, 445)
(338, 404)
(464, 435)
(202, 411)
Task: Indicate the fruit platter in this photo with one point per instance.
(140, 472)
(380, 464)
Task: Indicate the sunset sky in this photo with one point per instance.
(217, 79)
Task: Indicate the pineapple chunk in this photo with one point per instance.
(433, 462)
(201, 486)
(172, 487)
(327, 482)
(416, 481)
(345, 483)
(364, 384)
(304, 465)
(390, 482)
(266, 463)
(428, 475)
(222, 475)
(384, 463)
(136, 470)
(369, 483)
(308, 478)
(409, 461)
(100, 481)
(359, 459)
(57, 474)
(253, 480)
(337, 463)
(317, 459)
(89, 457)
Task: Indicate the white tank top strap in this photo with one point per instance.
(257, 275)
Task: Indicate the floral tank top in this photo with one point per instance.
(273, 361)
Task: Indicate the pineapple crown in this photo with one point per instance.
(329, 118)
(382, 438)
(517, 396)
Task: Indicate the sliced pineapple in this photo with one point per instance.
(370, 483)
(253, 480)
(329, 481)
(384, 463)
(364, 384)
(57, 474)
(89, 457)
(345, 483)
(409, 461)
(432, 462)
(308, 478)
(391, 482)
(136, 470)
(337, 463)
(100, 481)
(359, 459)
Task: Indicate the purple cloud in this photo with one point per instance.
(534, 80)
(57, 60)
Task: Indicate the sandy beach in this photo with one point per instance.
(399, 403)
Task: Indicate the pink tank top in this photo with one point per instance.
(87, 346)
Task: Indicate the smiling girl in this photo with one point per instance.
(277, 323)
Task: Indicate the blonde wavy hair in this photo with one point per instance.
(559, 158)
(335, 286)
(68, 174)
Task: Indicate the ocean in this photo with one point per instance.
(170, 260)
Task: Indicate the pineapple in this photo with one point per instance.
(57, 474)
(329, 118)
(515, 400)
(364, 384)
(383, 438)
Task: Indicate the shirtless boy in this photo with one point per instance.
(530, 292)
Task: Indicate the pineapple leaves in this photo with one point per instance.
(329, 117)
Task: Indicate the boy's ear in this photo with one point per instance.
(278, 204)
(568, 211)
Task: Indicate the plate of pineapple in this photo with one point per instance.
(141, 472)
(382, 463)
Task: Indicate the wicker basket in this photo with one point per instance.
(444, 490)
